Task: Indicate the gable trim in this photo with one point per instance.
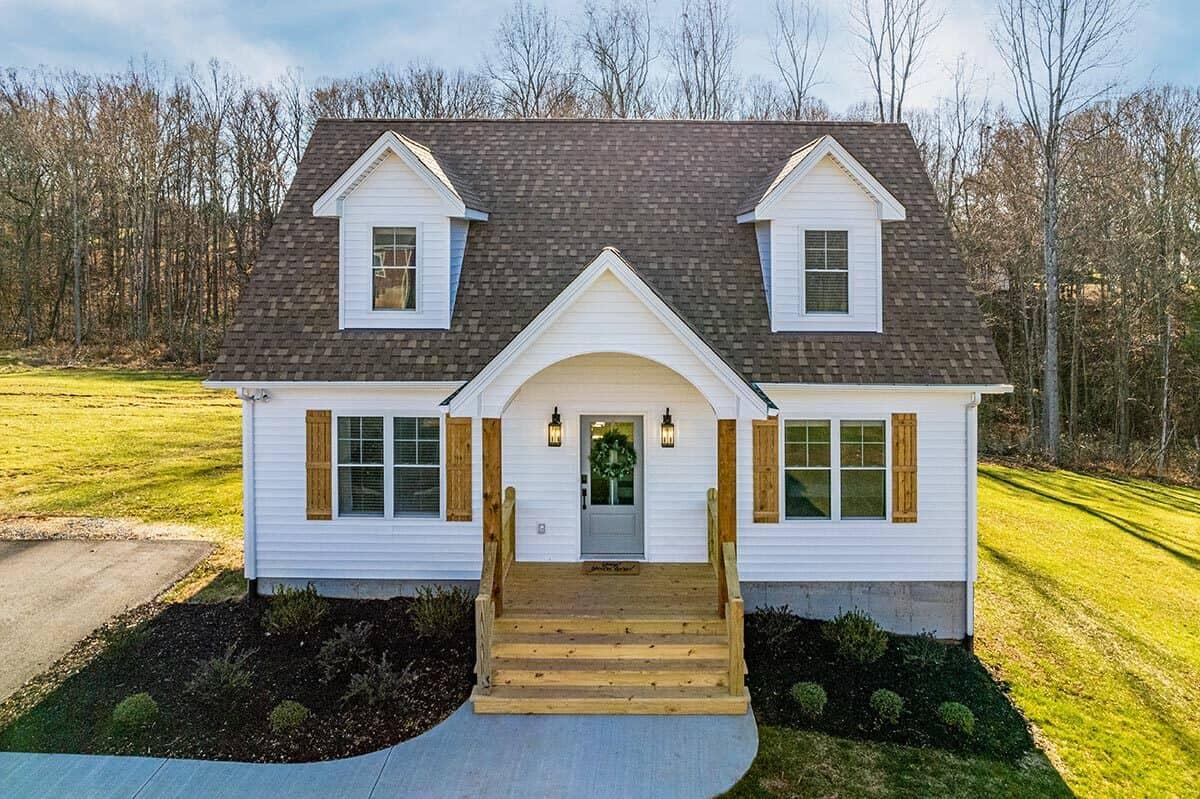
(611, 261)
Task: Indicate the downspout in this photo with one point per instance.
(249, 515)
(972, 517)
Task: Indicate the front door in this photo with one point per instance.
(611, 487)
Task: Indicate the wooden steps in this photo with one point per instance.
(625, 699)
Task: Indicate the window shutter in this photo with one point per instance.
(458, 468)
(904, 467)
(318, 464)
(766, 469)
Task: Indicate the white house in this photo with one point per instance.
(734, 363)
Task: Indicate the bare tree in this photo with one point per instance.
(702, 44)
(532, 64)
(797, 44)
(617, 41)
(435, 93)
(892, 36)
(1054, 48)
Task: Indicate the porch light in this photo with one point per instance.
(668, 430)
(554, 430)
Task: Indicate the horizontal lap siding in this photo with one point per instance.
(932, 548)
(291, 546)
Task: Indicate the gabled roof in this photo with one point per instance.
(759, 202)
(610, 261)
(666, 194)
(460, 200)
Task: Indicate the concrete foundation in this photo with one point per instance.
(908, 608)
(362, 589)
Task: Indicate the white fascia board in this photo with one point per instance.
(609, 260)
(330, 203)
(890, 209)
(942, 388)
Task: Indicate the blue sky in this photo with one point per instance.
(262, 39)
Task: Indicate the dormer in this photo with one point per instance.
(818, 222)
(403, 225)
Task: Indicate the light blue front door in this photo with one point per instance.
(611, 509)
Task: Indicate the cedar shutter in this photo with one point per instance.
(904, 467)
(318, 465)
(766, 469)
(458, 468)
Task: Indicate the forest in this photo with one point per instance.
(133, 205)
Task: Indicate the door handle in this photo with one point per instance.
(583, 498)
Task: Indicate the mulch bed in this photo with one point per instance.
(782, 650)
(160, 655)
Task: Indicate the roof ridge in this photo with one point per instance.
(623, 121)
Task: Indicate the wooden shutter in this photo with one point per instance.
(318, 465)
(458, 468)
(766, 469)
(904, 467)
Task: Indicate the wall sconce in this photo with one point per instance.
(668, 430)
(554, 430)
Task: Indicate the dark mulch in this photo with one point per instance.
(160, 655)
(783, 650)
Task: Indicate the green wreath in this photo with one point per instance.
(613, 456)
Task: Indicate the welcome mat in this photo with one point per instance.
(611, 567)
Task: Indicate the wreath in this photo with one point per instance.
(613, 456)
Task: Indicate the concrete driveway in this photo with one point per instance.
(53, 593)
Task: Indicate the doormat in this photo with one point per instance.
(611, 567)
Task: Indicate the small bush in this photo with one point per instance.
(377, 683)
(775, 624)
(887, 705)
(923, 652)
(349, 647)
(221, 679)
(121, 639)
(287, 716)
(810, 697)
(957, 717)
(857, 637)
(441, 613)
(135, 713)
(294, 610)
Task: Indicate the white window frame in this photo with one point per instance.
(418, 305)
(338, 466)
(393, 465)
(835, 465)
(886, 468)
(784, 469)
(389, 462)
(803, 248)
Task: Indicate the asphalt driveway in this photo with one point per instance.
(53, 593)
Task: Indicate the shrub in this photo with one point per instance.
(923, 652)
(377, 683)
(441, 613)
(957, 717)
(349, 647)
(294, 610)
(287, 716)
(857, 637)
(887, 705)
(221, 679)
(135, 712)
(810, 697)
(775, 623)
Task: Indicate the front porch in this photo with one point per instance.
(551, 638)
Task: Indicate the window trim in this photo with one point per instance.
(338, 466)
(784, 468)
(439, 465)
(886, 468)
(803, 249)
(835, 465)
(419, 266)
(389, 515)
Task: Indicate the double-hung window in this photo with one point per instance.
(826, 271)
(835, 469)
(394, 268)
(416, 453)
(403, 479)
(807, 470)
(864, 470)
(360, 465)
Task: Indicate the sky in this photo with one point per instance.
(262, 39)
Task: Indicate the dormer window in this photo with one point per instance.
(394, 268)
(826, 271)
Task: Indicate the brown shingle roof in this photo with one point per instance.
(665, 193)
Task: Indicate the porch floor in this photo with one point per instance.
(658, 590)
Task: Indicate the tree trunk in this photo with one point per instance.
(1051, 412)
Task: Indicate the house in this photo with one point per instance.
(627, 377)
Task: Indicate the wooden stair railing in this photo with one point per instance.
(489, 602)
(735, 612)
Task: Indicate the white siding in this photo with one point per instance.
(397, 549)
(392, 195)
(825, 199)
(458, 247)
(762, 233)
(547, 478)
(934, 548)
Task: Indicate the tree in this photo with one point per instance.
(797, 44)
(617, 41)
(701, 48)
(532, 64)
(892, 35)
(1053, 48)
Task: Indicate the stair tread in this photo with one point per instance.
(605, 664)
(611, 639)
(609, 692)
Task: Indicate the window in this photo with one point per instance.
(416, 455)
(394, 268)
(826, 272)
(864, 469)
(806, 452)
(360, 465)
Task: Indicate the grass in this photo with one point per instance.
(1088, 605)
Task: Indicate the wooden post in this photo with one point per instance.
(726, 498)
(493, 498)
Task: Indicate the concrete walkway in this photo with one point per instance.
(583, 757)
